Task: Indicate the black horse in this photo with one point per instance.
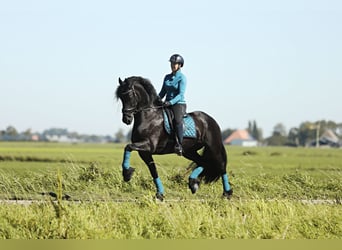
(149, 136)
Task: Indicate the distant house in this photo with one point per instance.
(327, 139)
(35, 137)
(61, 138)
(241, 138)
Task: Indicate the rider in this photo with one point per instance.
(174, 88)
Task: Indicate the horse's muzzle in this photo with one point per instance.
(127, 119)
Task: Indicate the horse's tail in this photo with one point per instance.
(214, 164)
(214, 156)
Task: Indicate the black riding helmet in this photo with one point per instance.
(176, 58)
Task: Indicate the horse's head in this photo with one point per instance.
(136, 94)
(126, 93)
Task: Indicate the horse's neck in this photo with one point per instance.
(146, 101)
(146, 121)
(148, 114)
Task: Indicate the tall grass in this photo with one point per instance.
(149, 219)
(273, 189)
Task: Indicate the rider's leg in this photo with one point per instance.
(179, 111)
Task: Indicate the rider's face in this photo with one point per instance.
(175, 67)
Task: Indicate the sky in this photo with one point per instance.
(270, 61)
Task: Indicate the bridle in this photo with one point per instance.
(133, 110)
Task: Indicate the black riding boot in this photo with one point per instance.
(179, 139)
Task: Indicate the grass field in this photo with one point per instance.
(279, 193)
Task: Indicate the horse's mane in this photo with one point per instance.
(144, 82)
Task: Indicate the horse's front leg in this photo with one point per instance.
(147, 158)
(127, 170)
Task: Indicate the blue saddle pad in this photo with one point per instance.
(188, 123)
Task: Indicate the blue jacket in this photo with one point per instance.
(174, 88)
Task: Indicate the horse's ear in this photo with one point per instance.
(120, 81)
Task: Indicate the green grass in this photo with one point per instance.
(270, 186)
(147, 219)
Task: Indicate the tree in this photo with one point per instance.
(10, 130)
(129, 135)
(227, 132)
(276, 140)
(293, 136)
(27, 132)
(278, 137)
(250, 127)
(279, 129)
(307, 132)
(254, 131)
(119, 136)
(311, 131)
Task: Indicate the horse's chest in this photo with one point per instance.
(147, 125)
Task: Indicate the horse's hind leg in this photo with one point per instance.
(227, 190)
(147, 158)
(193, 179)
(218, 157)
(194, 182)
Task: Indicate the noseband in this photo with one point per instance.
(132, 110)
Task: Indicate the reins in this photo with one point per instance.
(135, 110)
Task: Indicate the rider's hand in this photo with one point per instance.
(159, 101)
(167, 104)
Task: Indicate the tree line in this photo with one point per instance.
(306, 133)
(52, 134)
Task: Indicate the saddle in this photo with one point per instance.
(189, 130)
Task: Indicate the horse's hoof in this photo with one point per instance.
(228, 194)
(194, 185)
(160, 196)
(127, 173)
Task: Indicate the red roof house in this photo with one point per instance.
(241, 138)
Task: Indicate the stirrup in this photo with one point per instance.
(179, 150)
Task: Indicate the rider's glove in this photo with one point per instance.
(167, 104)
